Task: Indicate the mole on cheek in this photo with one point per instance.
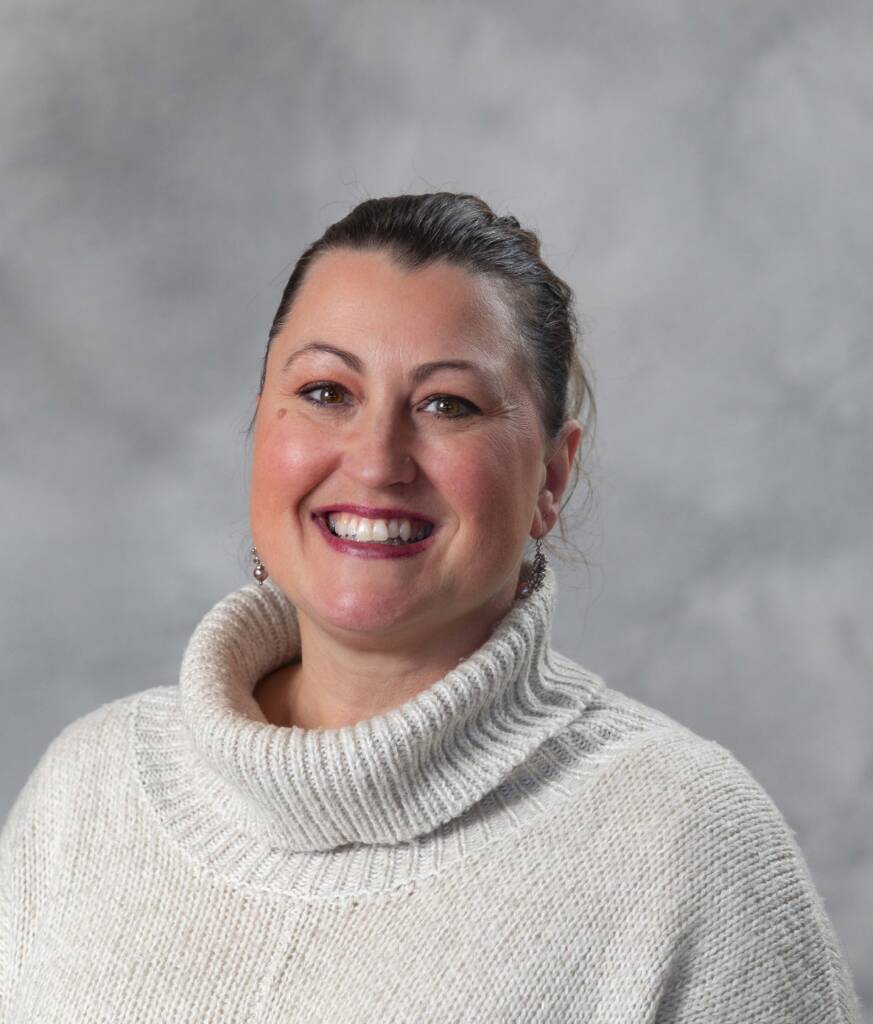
(281, 413)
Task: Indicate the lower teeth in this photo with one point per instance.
(391, 540)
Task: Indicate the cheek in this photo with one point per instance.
(491, 483)
(285, 463)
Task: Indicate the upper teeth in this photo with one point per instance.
(361, 529)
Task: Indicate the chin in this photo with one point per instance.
(361, 610)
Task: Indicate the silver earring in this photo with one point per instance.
(259, 572)
(537, 572)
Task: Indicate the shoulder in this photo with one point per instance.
(100, 734)
(728, 854)
(718, 851)
(92, 749)
(648, 766)
(743, 902)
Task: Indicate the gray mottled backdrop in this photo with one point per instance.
(700, 173)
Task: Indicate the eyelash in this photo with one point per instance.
(307, 391)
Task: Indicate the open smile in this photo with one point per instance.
(394, 538)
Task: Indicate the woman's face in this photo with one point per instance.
(358, 410)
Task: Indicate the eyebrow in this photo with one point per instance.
(420, 373)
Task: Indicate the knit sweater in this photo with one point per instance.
(519, 842)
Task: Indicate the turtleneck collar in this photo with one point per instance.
(387, 779)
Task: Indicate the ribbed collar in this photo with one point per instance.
(386, 779)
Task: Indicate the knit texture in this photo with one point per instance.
(517, 843)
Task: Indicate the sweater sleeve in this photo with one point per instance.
(25, 841)
(759, 947)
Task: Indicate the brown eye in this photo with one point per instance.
(326, 390)
(451, 407)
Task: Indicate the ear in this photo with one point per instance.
(557, 475)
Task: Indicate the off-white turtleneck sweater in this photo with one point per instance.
(517, 843)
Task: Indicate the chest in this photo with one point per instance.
(501, 938)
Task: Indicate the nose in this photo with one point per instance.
(377, 450)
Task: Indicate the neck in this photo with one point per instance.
(338, 681)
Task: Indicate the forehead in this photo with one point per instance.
(366, 297)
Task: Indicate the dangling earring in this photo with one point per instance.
(537, 572)
(259, 572)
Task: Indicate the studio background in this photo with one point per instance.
(700, 174)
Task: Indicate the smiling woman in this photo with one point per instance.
(378, 793)
(418, 402)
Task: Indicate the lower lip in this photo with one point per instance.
(374, 550)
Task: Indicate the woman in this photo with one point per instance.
(378, 793)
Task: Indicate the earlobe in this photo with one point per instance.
(550, 515)
(548, 506)
(544, 516)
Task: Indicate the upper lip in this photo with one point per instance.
(373, 513)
